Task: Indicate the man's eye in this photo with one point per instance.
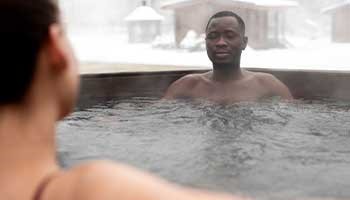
(212, 35)
(230, 35)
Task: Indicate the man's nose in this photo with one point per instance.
(221, 41)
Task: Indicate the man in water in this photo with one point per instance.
(227, 82)
(39, 85)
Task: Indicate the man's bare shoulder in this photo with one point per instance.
(183, 86)
(270, 83)
(267, 80)
(261, 77)
(192, 79)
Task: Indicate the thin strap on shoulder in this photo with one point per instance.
(42, 186)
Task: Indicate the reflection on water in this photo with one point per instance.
(272, 150)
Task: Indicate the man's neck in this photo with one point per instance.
(226, 72)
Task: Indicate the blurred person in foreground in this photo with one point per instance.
(227, 82)
(39, 86)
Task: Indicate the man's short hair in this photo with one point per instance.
(228, 14)
(24, 26)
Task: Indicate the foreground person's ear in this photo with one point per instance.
(56, 47)
(245, 42)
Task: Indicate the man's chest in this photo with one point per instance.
(230, 93)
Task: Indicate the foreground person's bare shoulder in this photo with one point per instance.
(101, 180)
(182, 86)
(110, 181)
(274, 86)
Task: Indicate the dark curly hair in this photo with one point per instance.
(228, 14)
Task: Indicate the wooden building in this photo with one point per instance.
(340, 14)
(265, 19)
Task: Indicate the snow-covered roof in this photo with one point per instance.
(336, 6)
(144, 13)
(174, 4)
(274, 3)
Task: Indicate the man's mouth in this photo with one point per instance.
(222, 54)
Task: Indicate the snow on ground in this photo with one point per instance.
(318, 54)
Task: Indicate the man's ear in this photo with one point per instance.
(245, 42)
(56, 47)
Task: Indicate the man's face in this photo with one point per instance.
(224, 40)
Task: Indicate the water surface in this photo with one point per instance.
(270, 150)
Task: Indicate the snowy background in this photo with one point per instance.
(99, 35)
